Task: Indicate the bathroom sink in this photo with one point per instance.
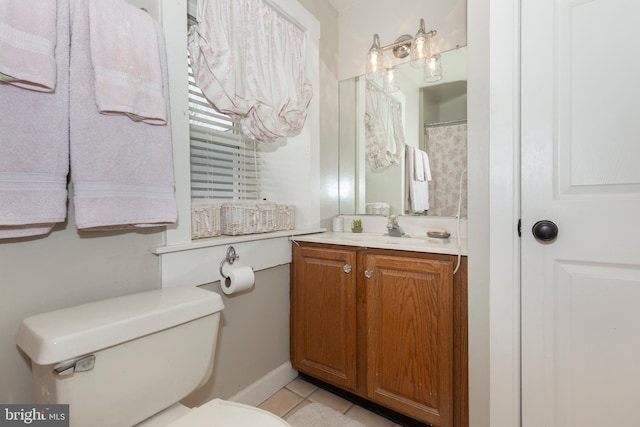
(414, 242)
(410, 240)
(372, 237)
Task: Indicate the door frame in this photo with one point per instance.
(494, 210)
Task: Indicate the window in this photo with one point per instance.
(224, 162)
(290, 174)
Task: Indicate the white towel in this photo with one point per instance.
(121, 171)
(126, 62)
(422, 170)
(426, 168)
(417, 192)
(418, 165)
(34, 147)
(28, 43)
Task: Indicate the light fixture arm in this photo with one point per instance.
(376, 41)
(402, 43)
(404, 40)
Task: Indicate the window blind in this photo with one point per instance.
(224, 162)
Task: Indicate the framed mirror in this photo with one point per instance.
(431, 116)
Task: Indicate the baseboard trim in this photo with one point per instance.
(263, 388)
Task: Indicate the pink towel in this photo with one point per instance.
(34, 148)
(126, 62)
(122, 171)
(27, 43)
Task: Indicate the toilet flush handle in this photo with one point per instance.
(81, 364)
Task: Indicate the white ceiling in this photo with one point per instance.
(342, 4)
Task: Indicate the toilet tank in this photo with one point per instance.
(119, 361)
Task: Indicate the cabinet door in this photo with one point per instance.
(410, 337)
(323, 314)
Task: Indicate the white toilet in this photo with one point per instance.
(129, 361)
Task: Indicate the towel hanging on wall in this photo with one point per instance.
(34, 145)
(125, 62)
(121, 171)
(28, 43)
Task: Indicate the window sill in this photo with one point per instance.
(228, 240)
(201, 261)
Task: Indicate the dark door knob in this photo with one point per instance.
(545, 231)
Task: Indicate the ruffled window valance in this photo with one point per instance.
(249, 62)
(384, 131)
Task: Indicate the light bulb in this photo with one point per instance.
(374, 60)
(420, 47)
(433, 69)
(390, 82)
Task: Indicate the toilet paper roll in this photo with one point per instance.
(238, 280)
(337, 224)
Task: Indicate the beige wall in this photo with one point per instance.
(328, 93)
(254, 336)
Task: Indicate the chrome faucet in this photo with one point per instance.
(394, 228)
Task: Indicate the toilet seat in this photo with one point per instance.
(222, 413)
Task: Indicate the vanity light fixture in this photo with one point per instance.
(389, 80)
(433, 69)
(374, 60)
(419, 47)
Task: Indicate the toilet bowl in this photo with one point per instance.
(218, 412)
(99, 358)
(228, 414)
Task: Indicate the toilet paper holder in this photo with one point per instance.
(230, 259)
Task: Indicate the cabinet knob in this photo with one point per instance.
(347, 268)
(368, 274)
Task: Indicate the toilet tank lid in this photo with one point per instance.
(64, 334)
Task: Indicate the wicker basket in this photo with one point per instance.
(286, 217)
(377, 208)
(247, 217)
(205, 219)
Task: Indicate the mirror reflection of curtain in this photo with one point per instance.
(384, 130)
(447, 149)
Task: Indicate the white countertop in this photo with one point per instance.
(415, 243)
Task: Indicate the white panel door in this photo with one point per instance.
(581, 170)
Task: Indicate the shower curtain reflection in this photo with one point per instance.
(447, 149)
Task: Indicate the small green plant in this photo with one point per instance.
(356, 224)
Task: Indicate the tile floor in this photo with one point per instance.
(299, 392)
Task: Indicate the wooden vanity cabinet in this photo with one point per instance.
(323, 313)
(403, 344)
